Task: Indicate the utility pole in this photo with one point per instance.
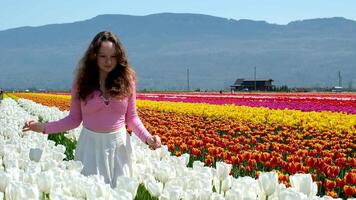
(255, 79)
(340, 81)
(188, 87)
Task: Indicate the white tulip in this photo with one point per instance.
(190, 194)
(13, 191)
(154, 188)
(51, 143)
(216, 196)
(222, 186)
(18, 190)
(35, 154)
(45, 181)
(223, 170)
(10, 161)
(249, 198)
(4, 181)
(164, 171)
(248, 185)
(121, 195)
(268, 182)
(205, 172)
(174, 193)
(58, 156)
(2, 195)
(226, 184)
(184, 159)
(164, 153)
(291, 194)
(2, 148)
(234, 194)
(60, 148)
(304, 183)
(162, 174)
(60, 190)
(81, 188)
(328, 198)
(204, 194)
(15, 174)
(74, 165)
(195, 182)
(164, 196)
(30, 191)
(48, 164)
(140, 156)
(128, 184)
(198, 164)
(28, 178)
(178, 181)
(23, 163)
(145, 178)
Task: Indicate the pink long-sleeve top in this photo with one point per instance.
(99, 117)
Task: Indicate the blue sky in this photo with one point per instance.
(40, 12)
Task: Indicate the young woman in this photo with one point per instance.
(104, 99)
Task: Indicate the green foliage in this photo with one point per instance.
(63, 140)
(143, 194)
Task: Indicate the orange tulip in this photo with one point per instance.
(196, 152)
(331, 193)
(183, 147)
(349, 190)
(209, 160)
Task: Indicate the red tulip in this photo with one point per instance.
(235, 160)
(350, 178)
(292, 169)
(252, 163)
(196, 152)
(349, 190)
(340, 183)
(329, 185)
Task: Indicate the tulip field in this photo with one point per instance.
(216, 146)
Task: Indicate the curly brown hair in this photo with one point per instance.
(119, 82)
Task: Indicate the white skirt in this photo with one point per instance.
(106, 154)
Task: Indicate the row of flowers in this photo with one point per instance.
(33, 168)
(345, 103)
(337, 122)
(250, 147)
(334, 102)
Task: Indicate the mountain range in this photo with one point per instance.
(163, 47)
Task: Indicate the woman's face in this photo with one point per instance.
(106, 57)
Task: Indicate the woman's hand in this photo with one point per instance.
(33, 126)
(154, 142)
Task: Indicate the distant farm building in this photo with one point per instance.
(261, 85)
